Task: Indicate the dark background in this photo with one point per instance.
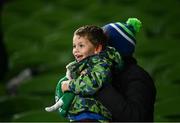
(37, 35)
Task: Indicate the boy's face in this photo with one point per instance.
(82, 48)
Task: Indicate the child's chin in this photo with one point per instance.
(79, 59)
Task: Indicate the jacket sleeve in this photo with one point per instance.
(91, 79)
(58, 91)
(133, 101)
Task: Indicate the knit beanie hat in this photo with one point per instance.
(122, 35)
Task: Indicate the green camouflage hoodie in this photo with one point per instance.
(89, 75)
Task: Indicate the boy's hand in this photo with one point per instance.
(65, 86)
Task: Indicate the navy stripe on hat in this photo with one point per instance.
(126, 33)
(119, 40)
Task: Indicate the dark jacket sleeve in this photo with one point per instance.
(131, 97)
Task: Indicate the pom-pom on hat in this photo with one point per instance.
(122, 35)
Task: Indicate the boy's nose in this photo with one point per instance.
(75, 50)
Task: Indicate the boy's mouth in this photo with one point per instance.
(79, 57)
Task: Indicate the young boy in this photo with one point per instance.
(91, 70)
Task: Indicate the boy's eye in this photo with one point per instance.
(81, 45)
(74, 46)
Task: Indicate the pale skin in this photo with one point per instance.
(82, 48)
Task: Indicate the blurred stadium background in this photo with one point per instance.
(38, 36)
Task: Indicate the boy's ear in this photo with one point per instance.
(98, 48)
